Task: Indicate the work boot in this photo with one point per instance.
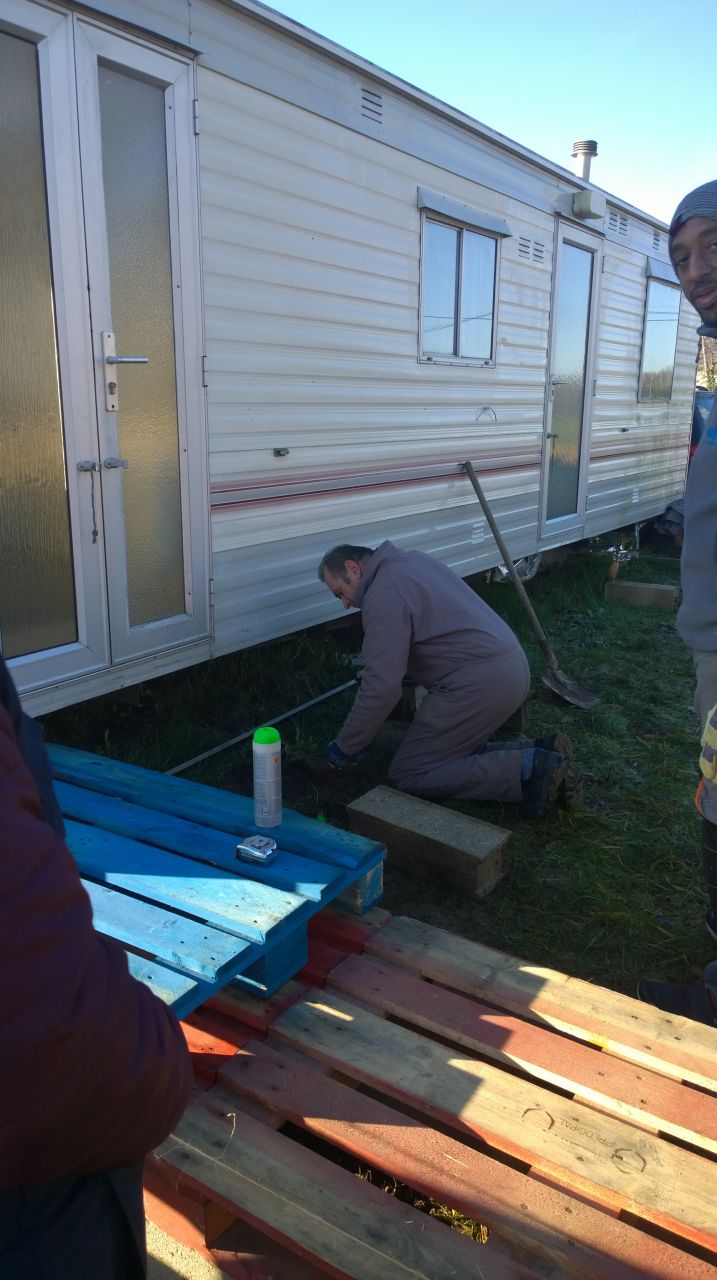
(542, 789)
(558, 741)
(571, 788)
(689, 1001)
(709, 872)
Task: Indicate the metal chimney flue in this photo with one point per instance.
(584, 152)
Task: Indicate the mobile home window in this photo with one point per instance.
(659, 341)
(457, 292)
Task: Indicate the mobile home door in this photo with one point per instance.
(103, 513)
(569, 390)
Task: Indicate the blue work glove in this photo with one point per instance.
(338, 758)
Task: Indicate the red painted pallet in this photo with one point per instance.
(575, 1124)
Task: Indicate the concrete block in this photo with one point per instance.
(431, 840)
(641, 595)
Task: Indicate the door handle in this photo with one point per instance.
(109, 360)
(113, 463)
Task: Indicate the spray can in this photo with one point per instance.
(266, 750)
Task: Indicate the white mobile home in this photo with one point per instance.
(260, 297)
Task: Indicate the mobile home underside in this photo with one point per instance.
(276, 298)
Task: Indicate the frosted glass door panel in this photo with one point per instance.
(568, 379)
(37, 598)
(134, 166)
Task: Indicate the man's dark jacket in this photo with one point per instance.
(94, 1071)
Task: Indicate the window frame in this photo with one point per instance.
(446, 211)
(660, 274)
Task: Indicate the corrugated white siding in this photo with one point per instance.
(638, 450)
(311, 263)
(323, 425)
(276, 578)
(311, 249)
(311, 258)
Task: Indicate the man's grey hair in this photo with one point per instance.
(334, 561)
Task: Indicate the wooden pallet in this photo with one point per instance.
(577, 1125)
(157, 857)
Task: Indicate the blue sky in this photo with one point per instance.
(636, 75)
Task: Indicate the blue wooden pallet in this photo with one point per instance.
(157, 857)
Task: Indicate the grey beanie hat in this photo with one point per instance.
(700, 203)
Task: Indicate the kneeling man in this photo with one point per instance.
(421, 619)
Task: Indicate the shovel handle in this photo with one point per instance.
(525, 601)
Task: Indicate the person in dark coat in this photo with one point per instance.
(94, 1070)
(30, 741)
(693, 250)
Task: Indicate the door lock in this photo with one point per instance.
(109, 359)
(112, 463)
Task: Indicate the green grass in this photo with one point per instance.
(611, 892)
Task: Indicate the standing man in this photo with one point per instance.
(420, 618)
(693, 250)
(94, 1070)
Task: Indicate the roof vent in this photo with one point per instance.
(528, 248)
(583, 153)
(372, 105)
(618, 222)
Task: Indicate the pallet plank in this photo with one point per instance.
(323, 1212)
(321, 960)
(339, 926)
(315, 881)
(212, 1040)
(180, 943)
(211, 807)
(242, 907)
(246, 1007)
(177, 990)
(601, 1157)
(667, 1044)
(651, 1101)
(583, 1239)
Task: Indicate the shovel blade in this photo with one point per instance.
(569, 690)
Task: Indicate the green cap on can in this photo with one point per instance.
(265, 736)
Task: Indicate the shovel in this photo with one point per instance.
(554, 678)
